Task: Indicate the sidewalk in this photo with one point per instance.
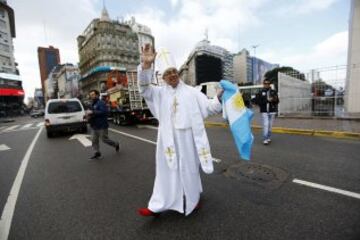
(341, 128)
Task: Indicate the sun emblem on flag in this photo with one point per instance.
(238, 102)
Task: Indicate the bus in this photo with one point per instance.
(209, 88)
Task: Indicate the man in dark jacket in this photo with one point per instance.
(97, 116)
(268, 101)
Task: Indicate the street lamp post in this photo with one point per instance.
(252, 62)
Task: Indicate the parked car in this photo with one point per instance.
(64, 115)
(37, 113)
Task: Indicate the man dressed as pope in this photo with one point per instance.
(182, 142)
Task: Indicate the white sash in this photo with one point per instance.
(197, 126)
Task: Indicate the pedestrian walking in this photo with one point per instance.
(182, 143)
(97, 117)
(268, 101)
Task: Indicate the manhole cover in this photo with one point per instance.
(266, 176)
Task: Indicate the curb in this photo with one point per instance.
(307, 132)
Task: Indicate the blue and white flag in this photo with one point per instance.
(239, 117)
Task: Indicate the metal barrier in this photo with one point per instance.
(320, 94)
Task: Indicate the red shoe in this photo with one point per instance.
(145, 212)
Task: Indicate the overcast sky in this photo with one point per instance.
(304, 34)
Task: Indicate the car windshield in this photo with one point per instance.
(64, 107)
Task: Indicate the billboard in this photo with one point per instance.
(260, 67)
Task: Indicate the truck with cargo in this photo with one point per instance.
(126, 104)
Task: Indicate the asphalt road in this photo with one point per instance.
(65, 196)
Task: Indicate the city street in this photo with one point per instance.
(64, 195)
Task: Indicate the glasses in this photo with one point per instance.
(266, 83)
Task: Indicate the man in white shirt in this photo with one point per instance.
(182, 143)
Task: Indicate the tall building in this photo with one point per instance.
(352, 88)
(48, 59)
(143, 32)
(67, 81)
(250, 69)
(207, 63)
(7, 33)
(11, 90)
(242, 67)
(106, 47)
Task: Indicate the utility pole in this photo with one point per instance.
(252, 62)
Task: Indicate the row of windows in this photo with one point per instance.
(3, 24)
(4, 47)
(2, 13)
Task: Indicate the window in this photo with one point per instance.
(3, 24)
(64, 107)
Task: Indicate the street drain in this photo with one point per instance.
(266, 176)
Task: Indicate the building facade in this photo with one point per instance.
(242, 67)
(106, 45)
(143, 32)
(207, 63)
(249, 69)
(352, 87)
(67, 78)
(51, 83)
(49, 57)
(7, 33)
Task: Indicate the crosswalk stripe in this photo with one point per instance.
(40, 124)
(26, 126)
(11, 128)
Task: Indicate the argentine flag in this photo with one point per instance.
(239, 118)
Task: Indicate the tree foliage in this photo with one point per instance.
(272, 75)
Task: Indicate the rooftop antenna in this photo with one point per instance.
(254, 47)
(206, 33)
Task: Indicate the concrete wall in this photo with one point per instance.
(294, 94)
(352, 88)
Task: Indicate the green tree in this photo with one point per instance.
(272, 75)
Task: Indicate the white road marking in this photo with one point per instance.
(3, 147)
(1, 128)
(11, 128)
(26, 126)
(40, 124)
(132, 136)
(327, 188)
(82, 139)
(8, 212)
(147, 126)
(216, 160)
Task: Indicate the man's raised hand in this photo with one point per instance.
(147, 56)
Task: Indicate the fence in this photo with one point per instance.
(320, 92)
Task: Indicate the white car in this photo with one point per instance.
(64, 115)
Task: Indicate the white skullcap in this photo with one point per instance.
(164, 60)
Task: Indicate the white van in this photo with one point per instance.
(64, 115)
(209, 88)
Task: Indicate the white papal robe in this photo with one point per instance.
(182, 143)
